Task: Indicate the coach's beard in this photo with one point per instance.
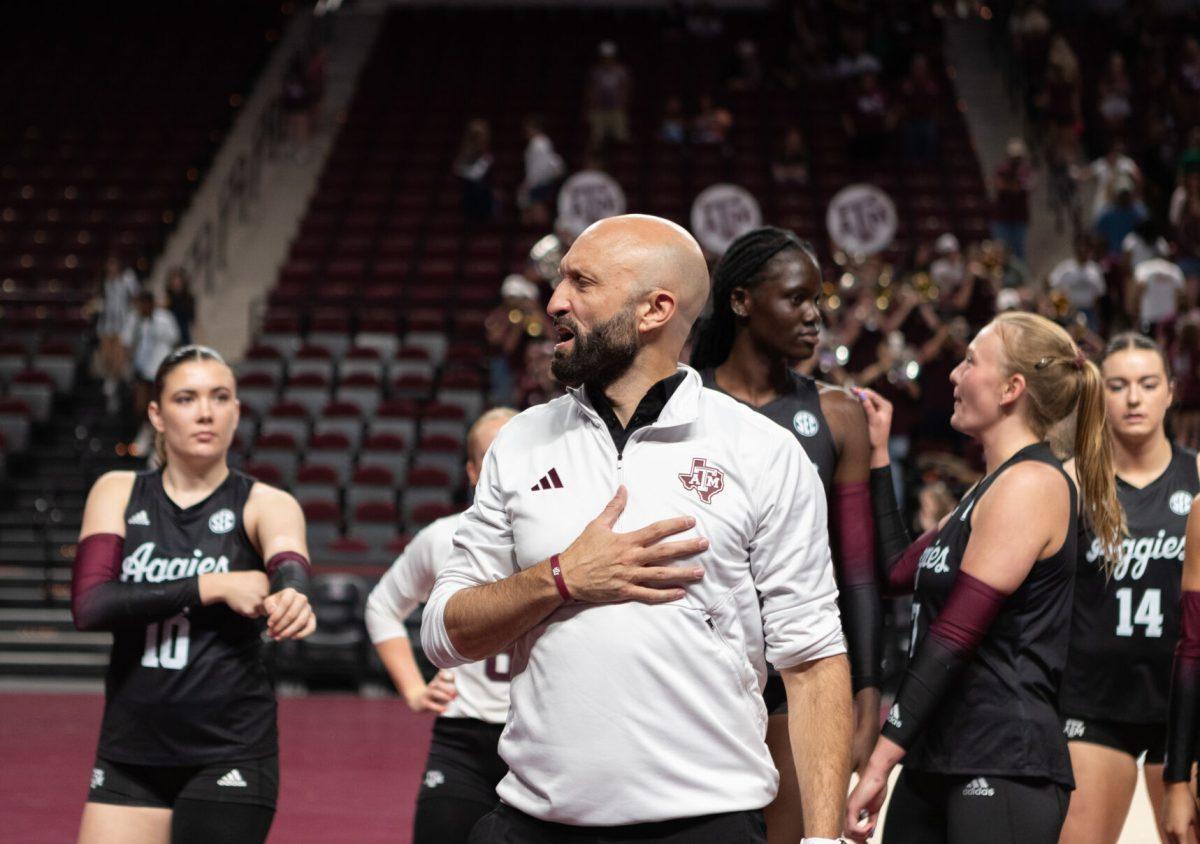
(599, 357)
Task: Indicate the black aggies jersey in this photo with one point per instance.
(1124, 628)
(1000, 716)
(191, 689)
(800, 412)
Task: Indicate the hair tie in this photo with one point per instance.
(1080, 358)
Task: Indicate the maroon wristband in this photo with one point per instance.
(556, 570)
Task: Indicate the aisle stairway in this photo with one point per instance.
(40, 513)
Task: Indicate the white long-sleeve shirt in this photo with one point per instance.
(482, 686)
(629, 713)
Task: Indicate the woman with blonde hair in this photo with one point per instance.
(188, 566)
(975, 719)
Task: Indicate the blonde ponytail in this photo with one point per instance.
(1059, 380)
(1094, 466)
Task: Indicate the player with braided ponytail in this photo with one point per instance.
(766, 317)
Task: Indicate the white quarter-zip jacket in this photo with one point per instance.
(482, 687)
(632, 713)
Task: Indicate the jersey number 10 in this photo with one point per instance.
(1149, 613)
(167, 643)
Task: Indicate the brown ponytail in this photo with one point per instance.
(1059, 380)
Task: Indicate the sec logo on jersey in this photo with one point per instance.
(1180, 503)
(806, 424)
(222, 521)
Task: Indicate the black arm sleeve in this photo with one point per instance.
(862, 617)
(100, 602)
(1183, 719)
(896, 555)
(289, 570)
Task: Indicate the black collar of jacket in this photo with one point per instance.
(647, 411)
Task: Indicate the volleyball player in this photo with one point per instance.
(464, 765)
(975, 718)
(1124, 626)
(172, 562)
(765, 317)
(1180, 811)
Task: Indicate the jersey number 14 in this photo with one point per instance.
(167, 643)
(1149, 613)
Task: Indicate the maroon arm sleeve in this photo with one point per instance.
(858, 596)
(951, 642)
(1183, 719)
(99, 601)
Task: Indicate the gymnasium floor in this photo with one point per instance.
(350, 769)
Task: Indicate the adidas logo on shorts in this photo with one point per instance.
(434, 778)
(97, 777)
(233, 779)
(894, 716)
(139, 518)
(979, 787)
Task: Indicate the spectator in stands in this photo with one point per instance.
(609, 88)
(1158, 283)
(1119, 217)
(537, 384)
(473, 167)
(703, 22)
(673, 129)
(790, 167)
(1186, 84)
(518, 319)
(181, 303)
(1114, 96)
(712, 124)
(1185, 363)
(1186, 223)
(949, 269)
(1012, 182)
(1104, 171)
(297, 105)
(543, 169)
(1058, 103)
(934, 501)
(1081, 281)
(150, 334)
(920, 96)
(870, 121)
(117, 291)
(855, 59)
(748, 73)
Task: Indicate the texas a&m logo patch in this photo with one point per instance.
(706, 480)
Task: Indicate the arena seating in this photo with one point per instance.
(379, 306)
(117, 115)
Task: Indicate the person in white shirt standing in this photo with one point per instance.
(463, 767)
(543, 170)
(149, 335)
(1081, 280)
(638, 635)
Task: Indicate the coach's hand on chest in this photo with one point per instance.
(674, 498)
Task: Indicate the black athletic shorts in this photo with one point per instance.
(774, 694)
(1134, 739)
(463, 761)
(505, 825)
(254, 782)
(931, 808)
